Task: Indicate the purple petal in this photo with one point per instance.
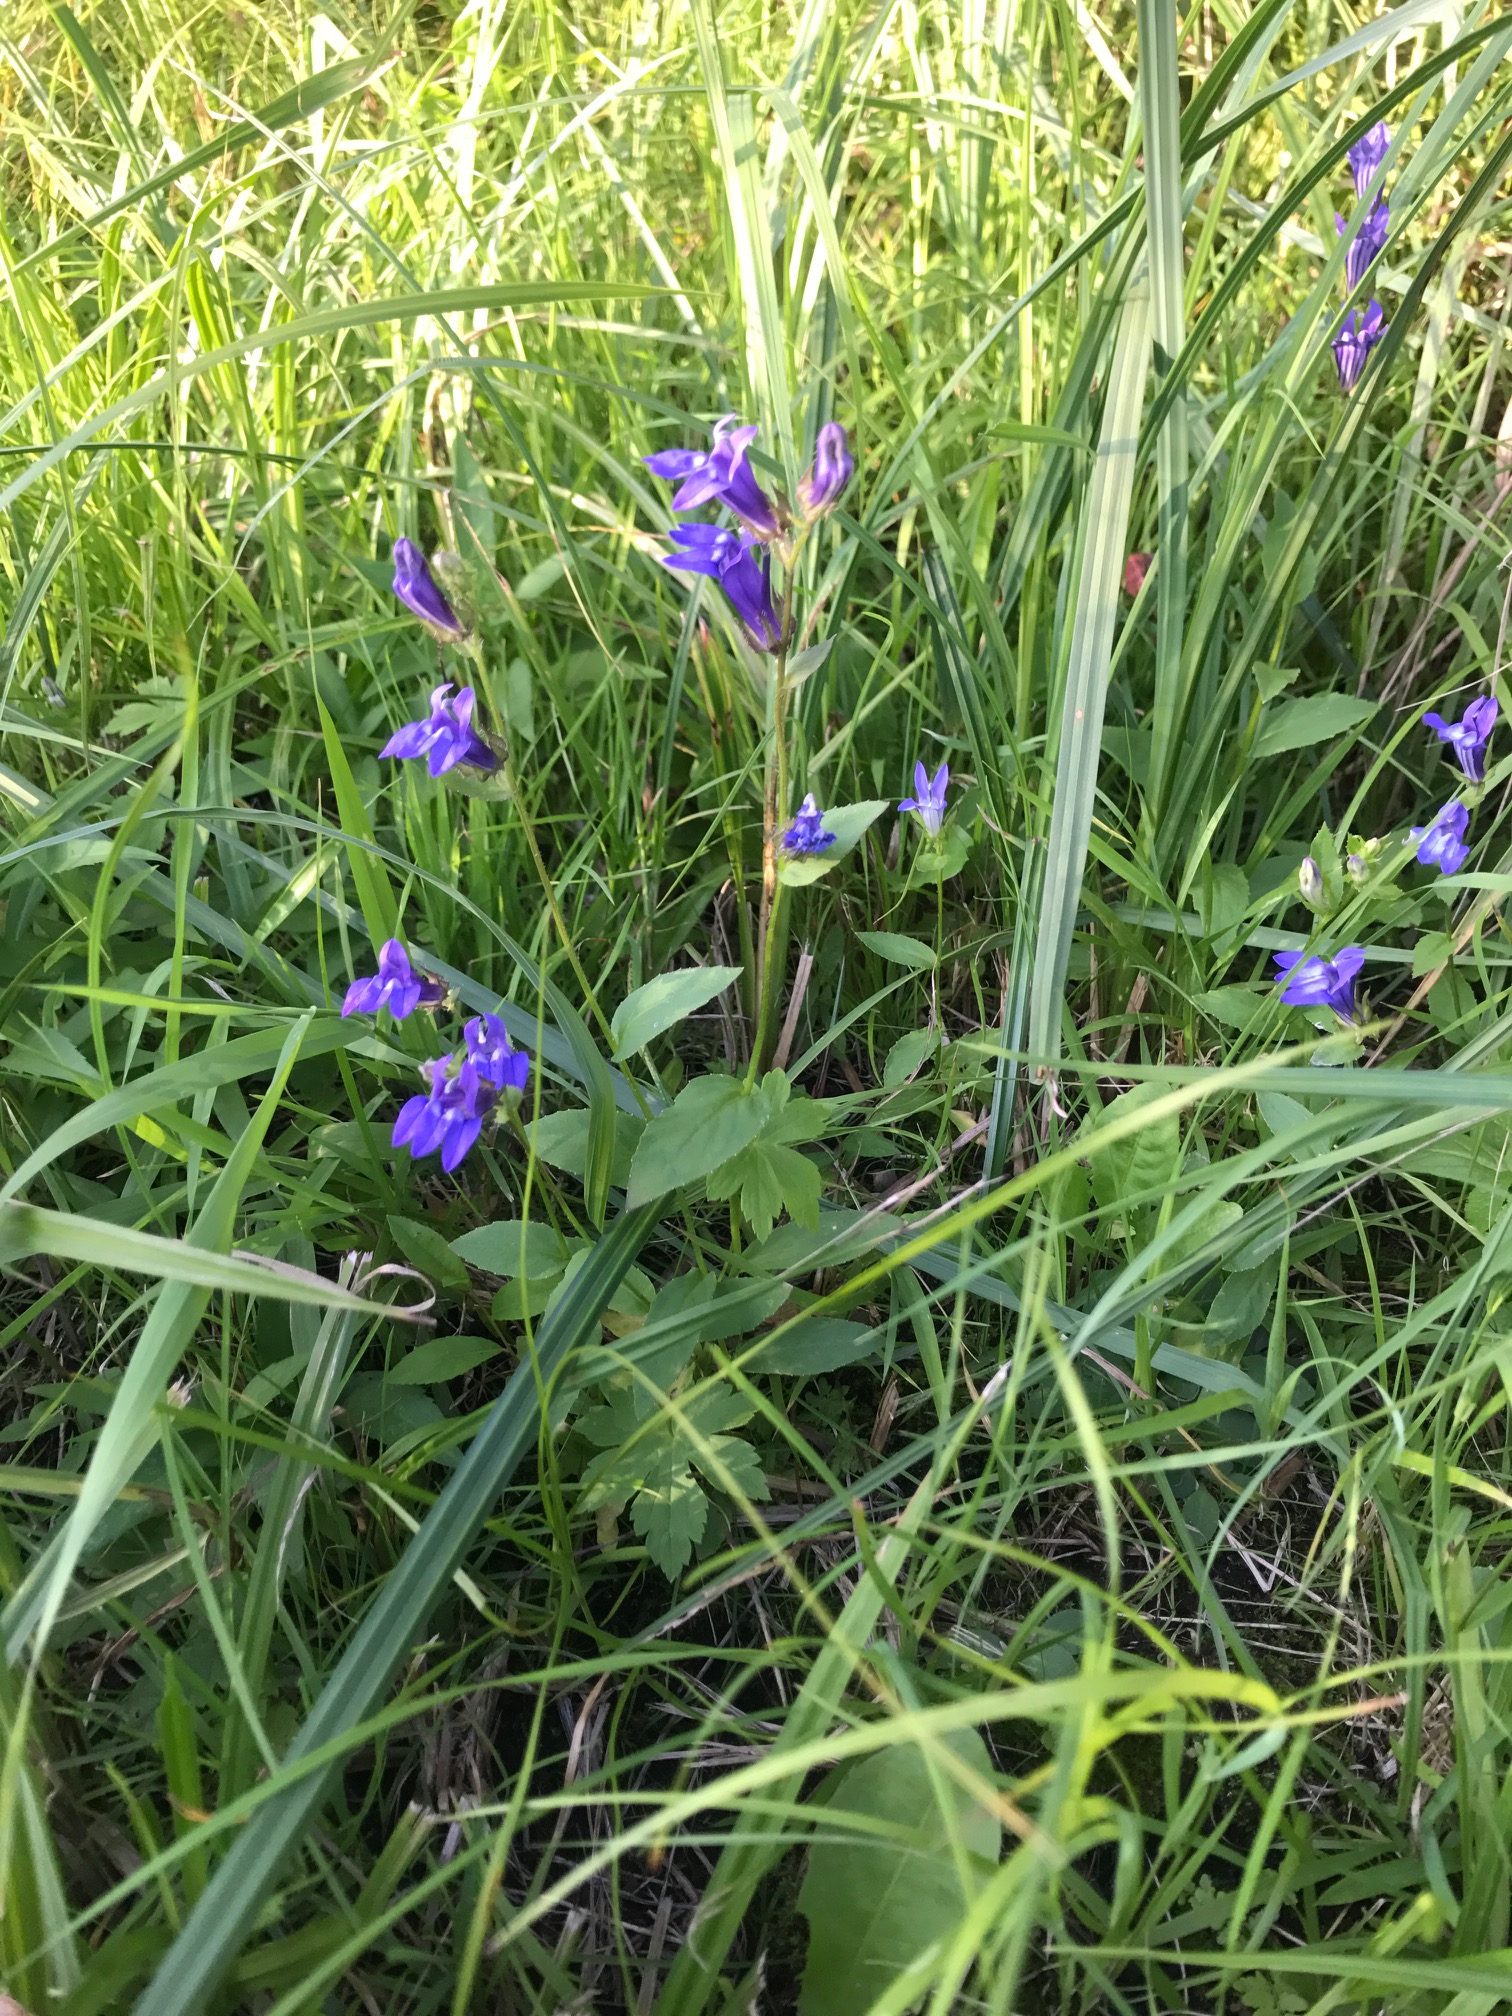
(410, 740)
(672, 464)
(1348, 962)
(410, 1115)
(462, 1136)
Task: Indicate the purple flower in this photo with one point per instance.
(1355, 341)
(834, 466)
(1319, 982)
(730, 559)
(493, 1056)
(1367, 154)
(1368, 242)
(395, 986)
(807, 833)
(416, 588)
(1441, 843)
(721, 476)
(1469, 735)
(930, 801)
(448, 1116)
(447, 738)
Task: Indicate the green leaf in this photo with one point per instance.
(1141, 1163)
(561, 1139)
(820, 1345)
(1433, 949)
(1316, 719)
(670, 1517)
(441, 1359)
(908, 1055)
(512, 1247)
(942, 859)
(848, 823)
(876, 1901)
(708, 1122)
(897, 950)
(1077, 744)
(1234, 1007)
(422, 1247)
(803, 664)
(662, 1003)
(771, 1179)
(729, 1461)
(1218, 1216)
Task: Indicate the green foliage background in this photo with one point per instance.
(1084, 1405)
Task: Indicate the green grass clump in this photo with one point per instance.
(959, 1461)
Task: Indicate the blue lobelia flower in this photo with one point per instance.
(807, 834)
(395, 986)
(1367, 154)
(1469, 735)
(1441, 843)
(416, 588)
(1368, 242)
(493, 1056)
(447, 738)
(448, 1116)
(723, 475)
(1355, 341)
(730, 559)
(834, 465)
(930, 801)
(1321, 983)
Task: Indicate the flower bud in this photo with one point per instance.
(1310, 883)
(834, 465)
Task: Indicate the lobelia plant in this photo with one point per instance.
(770, 534)
(1362, 328)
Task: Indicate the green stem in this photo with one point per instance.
(768, 938)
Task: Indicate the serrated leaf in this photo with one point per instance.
(441, 1359)
(708, 1122)
(1234, 1007)
(897, 949)
(1433, 949)
(422, 1247)
(875, 1901)
(772, 1179)
(671, 1518)
(848, 823)
(728, 1461)
(664, 1002)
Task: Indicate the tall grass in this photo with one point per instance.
(1123, 1457)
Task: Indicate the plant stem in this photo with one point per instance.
(768, 938)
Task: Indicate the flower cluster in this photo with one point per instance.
(461, 1089)
(739, 558)
(1318, 982)
(446, 737)
(1363, 328)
